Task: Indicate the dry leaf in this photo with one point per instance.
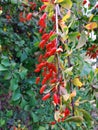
(66, 97)
(56, 115)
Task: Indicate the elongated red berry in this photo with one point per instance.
(42, 89)
(37, 70)
(43, 7)
(55, 98)
(66, 112)
(53, 123)
(42, 44)
(46, 97)
(29, 16)
(45, 0)
(84, 2)
(37, 80)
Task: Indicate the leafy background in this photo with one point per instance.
(20, 101)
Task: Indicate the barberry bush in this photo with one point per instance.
(47, 79)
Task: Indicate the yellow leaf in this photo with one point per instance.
(0, 48)
(96, 71)
(77, 102)
(1, 12)
(67, 16)
(66, 4)
(62, 25)
(77, 82)
(66, 97)
(73, 94)
(59, 1)
(91, 17)
(91, 26)
(4, 29)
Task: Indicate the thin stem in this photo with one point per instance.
(57, 42)
(71, 87)
(57, 28)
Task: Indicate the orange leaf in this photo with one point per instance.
(91, 26)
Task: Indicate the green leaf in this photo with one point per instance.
(7, 75)
(22, 72)
(53, 37)
(14, 1)
(73, 35)
(50, 59)
(23, 56)
(2, 68)
(5, 62)
(13, 84)
(23, 103)
(35, 117)
(9, 113)
(86, 115)
(16, 95)
(2, 122)
(77, 119)
(82, 40)
(86, 69)
(42, 128)
(95, 18)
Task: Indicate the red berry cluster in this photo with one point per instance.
(92, 51)
(23, 17)
(51, 76)
(64, 115)
(49, 70)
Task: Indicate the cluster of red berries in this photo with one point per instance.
(64, 115)
(28, 16)
(92, 51)
(50, 80)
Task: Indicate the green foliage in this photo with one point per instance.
(19, 96)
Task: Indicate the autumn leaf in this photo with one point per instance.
(65, 3)
(66, 97)
(77, 102)
(56, 115)
(96, 71)
(91, 17)
(59, 1)
(73, 94)
(91, 26)
(77, 82)
(67, 16)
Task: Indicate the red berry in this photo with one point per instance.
(43, 7)
(37, 70)
(42, 89)
(37, 80)
(55, 98)
(84, 2)
(53, 123)
(46, 97)
(29, 16)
